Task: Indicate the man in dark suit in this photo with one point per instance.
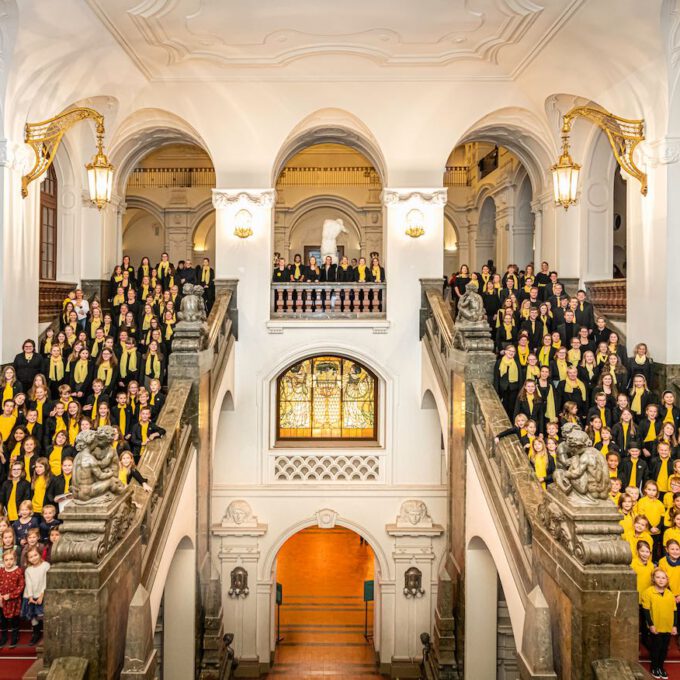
(329, 271)
(187, 275)
(584, 311)
(601, 333)
(567, 329)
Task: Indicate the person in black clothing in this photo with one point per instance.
(329, 271)
(506, 378)
(492, 303)
(601, 333)
(28, 363)
(281, 273)
(143, 432)
(23, 490)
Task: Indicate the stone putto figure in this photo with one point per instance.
(471, 306)
(581, 469)
(413, 513)
(239, 514)
(192, 307)
(95, 467)
(329, 237)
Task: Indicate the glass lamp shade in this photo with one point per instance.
(565, 180)
(100, 179)
(415, 220)
(244, 224)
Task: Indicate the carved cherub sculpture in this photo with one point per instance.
(471, 306)
(192, 307)
(95, 467)
(582, 471)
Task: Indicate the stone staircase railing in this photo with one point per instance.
(568, 564)
(97, 607)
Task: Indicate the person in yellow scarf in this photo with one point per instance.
(668, 411)
(507, 331)
(153, 364)
(9, 385)
(542, 462)
(661, 467)
(106, 370)
(546, 352)
(558, 369)
(56, 371)
(523, 349)
(529, 403)
(640, 396)
(144, 432)
(81, 375)
(205, 275)
(545, 388)
(61, 484)
(594, 429)
(506, 378)
(129, 361)
(118, 299)
(574, 353)
(14, 491)
(573, 389)
(8, 419)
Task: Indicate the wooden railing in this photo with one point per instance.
(333, 176)
(51, 296)
(457, 176)
(328, 300)
(608, 297)
(163, 178)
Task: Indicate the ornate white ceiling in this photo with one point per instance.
(330, 40)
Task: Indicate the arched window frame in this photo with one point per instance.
(340, 441)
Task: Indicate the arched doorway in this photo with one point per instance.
(325, 626)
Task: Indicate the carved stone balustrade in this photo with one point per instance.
(328, 301)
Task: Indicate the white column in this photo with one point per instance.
(653, 275)
(19, 250)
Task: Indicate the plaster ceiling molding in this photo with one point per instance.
(167, 39)
(436, 196)
(665, 151)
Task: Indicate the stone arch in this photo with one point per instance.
(144, 131)
(523, 133)
(330, 125)
(269, 562)
(486, 232)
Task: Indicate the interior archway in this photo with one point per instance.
(321, 574)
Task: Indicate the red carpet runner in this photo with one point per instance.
(15, 662)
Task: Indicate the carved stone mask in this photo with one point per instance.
(239, 583)
(413, 583)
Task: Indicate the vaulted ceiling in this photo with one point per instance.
(281, 39)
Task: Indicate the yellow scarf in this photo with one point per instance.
(27, 466)
(15, 452)
(362, 272)
(633, 473)
(522, 355)
(636, 405)
(640, 361)
(163, 268)
(376, 274)
(67, 483)
(541, 467)
(145, 270)
(602, 418)
(94, 325)
(509, 366)
(56, 369)
(73, 430)
(96, 346)
(55, 459)
(122, 419)
(105, 373)
(625, 428)
(118, 300)
(561, 368)
(533, 372)
(153, 366)
(662, 479)
(544, 356)
(600, 358)
(128, 362)
(557, 344)
(574, 356)
(571, 387)
(550, 411)
(651, 433)
(60, 424)
(297, 271)
(168, 331)
(530, 401)
(205, 275)
(123, 475)
(7, 393)
(80, 371)
(669, 416)
(508, 331)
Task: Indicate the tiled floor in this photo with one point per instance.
(322, 572)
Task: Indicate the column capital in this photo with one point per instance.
(435, 195)
(223, 198)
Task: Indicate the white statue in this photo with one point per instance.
(329, 236)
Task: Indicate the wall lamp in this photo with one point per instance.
(414, 223)
(244, 224)
(624, 135)
(44, 138)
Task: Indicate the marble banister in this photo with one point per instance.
(328, 301)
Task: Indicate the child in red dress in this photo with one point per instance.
(11, 589)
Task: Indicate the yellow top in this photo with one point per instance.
(7, 393)
(651, 433)
(672, 533)
(627, 522)
(652, 508)
(633, 539)
(27, 466)
(55, 459)
(661, 607)
(662, 479)
(7, 425)
(39, 494)
(67, 483)
(123, 475)
(644, 575)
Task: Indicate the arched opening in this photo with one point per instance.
(49, 194)
(178, 613)
(486, 233)
(166, 193)
(487, 623)
(451, 263)
(328, 181)
(323, 575)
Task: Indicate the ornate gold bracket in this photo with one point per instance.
(44, 138)
(624, 135)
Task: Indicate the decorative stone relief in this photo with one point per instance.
(326, 518)
(239, 514)
(436, 196)
(239, 583)
(663, 151)
(95, 468)
(414, 513)
(413, 583)
(223, 198)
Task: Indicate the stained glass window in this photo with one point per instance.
(327, 397)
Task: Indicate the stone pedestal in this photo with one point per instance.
(94, 575)
(140, 655)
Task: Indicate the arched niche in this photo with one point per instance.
(486, 232)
